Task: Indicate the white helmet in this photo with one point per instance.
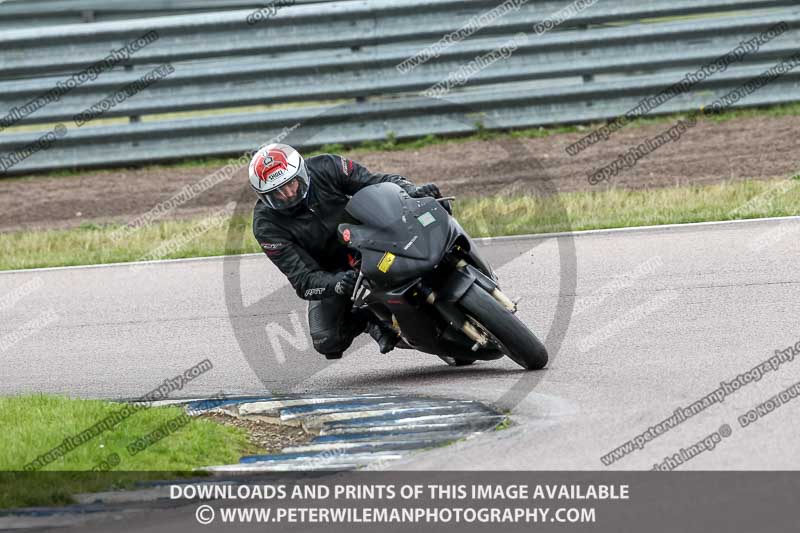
(279, 176)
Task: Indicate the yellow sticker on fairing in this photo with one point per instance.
(386, 262)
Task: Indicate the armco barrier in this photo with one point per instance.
(595, 66)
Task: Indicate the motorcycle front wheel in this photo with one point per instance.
(513, 336)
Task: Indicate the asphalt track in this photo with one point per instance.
(661, 316)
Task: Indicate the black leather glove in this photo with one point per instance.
(429, 189)
(344, 283)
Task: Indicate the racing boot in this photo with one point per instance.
(382, 333)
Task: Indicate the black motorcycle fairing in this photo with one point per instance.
(461, 238)
(482, 265)
(417, 262)
(461, 280)
(384, 303)
(399, 237)
(424, 331)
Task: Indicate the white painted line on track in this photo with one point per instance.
(481, 240)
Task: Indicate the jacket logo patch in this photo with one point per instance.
(273, 245)
(347, 166)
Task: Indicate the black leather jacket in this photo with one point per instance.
(303, 243)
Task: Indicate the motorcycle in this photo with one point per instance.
(421, 272)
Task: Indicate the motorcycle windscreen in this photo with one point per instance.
(378, 205)
(405, 247)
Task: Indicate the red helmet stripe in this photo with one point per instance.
(269, 163)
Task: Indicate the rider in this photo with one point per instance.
(301, 203)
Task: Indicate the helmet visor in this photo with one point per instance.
(288, 194)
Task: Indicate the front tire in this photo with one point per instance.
(516, 340)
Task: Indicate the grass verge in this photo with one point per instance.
(481, 217)
(34, 424)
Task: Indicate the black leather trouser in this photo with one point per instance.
(333, 325)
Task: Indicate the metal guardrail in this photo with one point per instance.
(17, 14)
(598, 65)
(329, 76)
(347, 25)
